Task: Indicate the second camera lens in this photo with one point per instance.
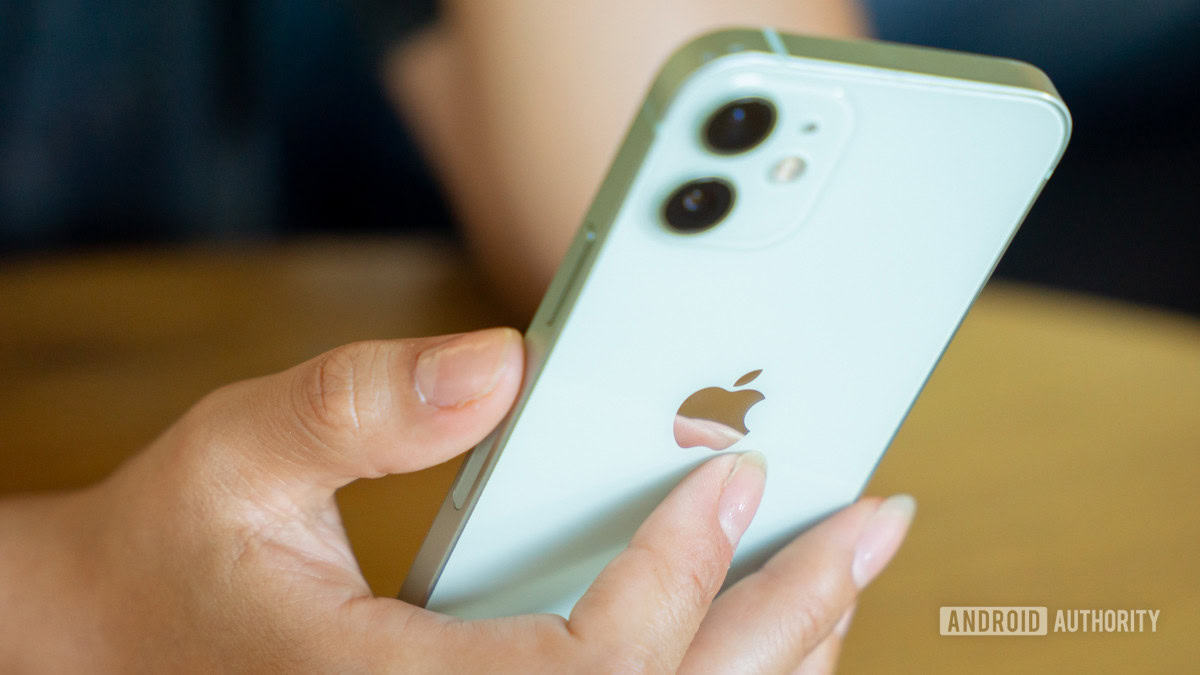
(698, 205)
(739, 125)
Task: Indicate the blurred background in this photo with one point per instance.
(234, 120)
(194, 192)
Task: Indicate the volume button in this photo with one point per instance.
(568, 289)
(469, 473)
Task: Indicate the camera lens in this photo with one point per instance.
(698, 205)
(739, 125)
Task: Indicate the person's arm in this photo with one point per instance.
(220, 547)
(521, 104)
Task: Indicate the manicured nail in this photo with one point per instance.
(466, 368)
(881, 537)
(741, 494)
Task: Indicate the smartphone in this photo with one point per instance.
(780, 253)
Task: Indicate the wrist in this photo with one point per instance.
(49, 587)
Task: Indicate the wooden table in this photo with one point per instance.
(1054, 454)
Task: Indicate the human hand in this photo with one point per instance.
(220, 548)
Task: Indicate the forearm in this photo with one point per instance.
(542, 93)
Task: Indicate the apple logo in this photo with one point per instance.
(715, 418)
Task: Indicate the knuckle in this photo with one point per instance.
(697, 585)
(704, 566)
(344, 391)
(808, 618)
(816, 605)
(195, 426)
(690, 576)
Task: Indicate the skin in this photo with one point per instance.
(219, 548)
(520, 104)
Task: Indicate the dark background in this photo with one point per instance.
(219, 120)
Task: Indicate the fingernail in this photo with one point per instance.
(843, 624)
(466, 368)
(741, 494)
(881, 537)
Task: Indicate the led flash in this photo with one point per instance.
(787, 170)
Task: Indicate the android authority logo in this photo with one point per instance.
(715, 418)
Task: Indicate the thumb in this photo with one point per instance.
(363, 410)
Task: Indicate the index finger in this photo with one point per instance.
(647, 604)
